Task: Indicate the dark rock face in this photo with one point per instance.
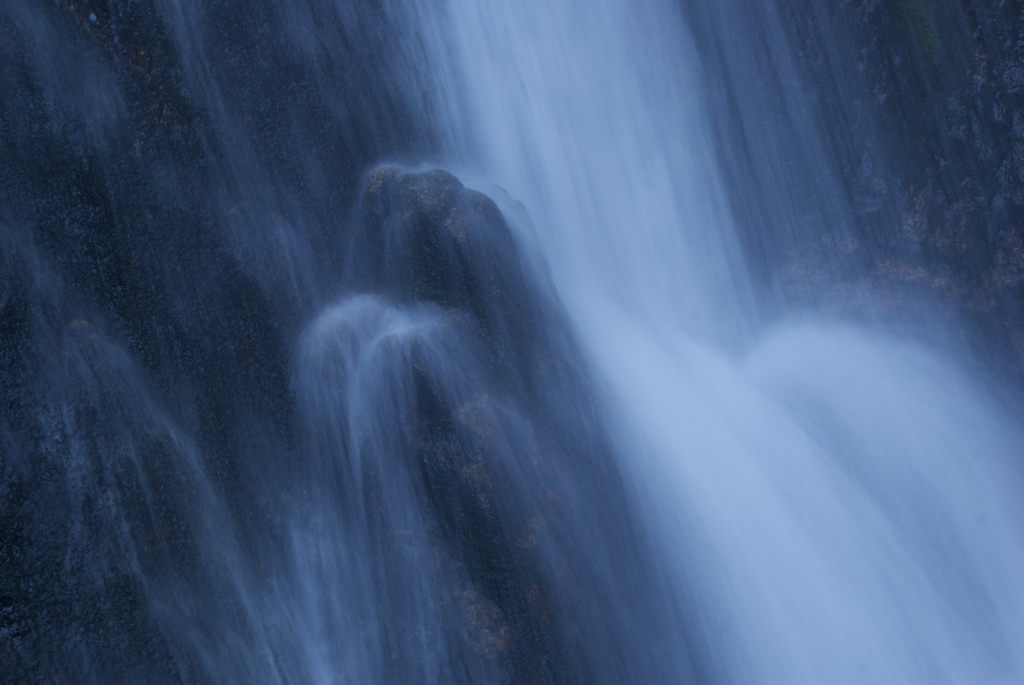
(424, 230)
(501, 436)
(876, 150)
(170, 222)
(145, 359)
(432, 240)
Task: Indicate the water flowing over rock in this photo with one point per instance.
(464, 360)
(722, 383)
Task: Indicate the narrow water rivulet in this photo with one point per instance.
(469, 341)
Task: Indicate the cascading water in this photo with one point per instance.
(842, 504)
(280, 405)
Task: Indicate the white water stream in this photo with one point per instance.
(836, 505)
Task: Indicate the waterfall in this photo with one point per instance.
(456, 341)
(837, 503)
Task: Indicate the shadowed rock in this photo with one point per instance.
(430, 239)
(502, 438)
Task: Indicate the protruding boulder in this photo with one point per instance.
(429, 238)
(501, 443)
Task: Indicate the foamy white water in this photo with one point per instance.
(835, 504)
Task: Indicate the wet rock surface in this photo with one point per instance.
(145, 356)
(500, 440)
(886, 142)
(172, 187)
(430, 239)
(153, 462)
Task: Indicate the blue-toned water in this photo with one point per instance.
(432, 342)
(838, 503)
